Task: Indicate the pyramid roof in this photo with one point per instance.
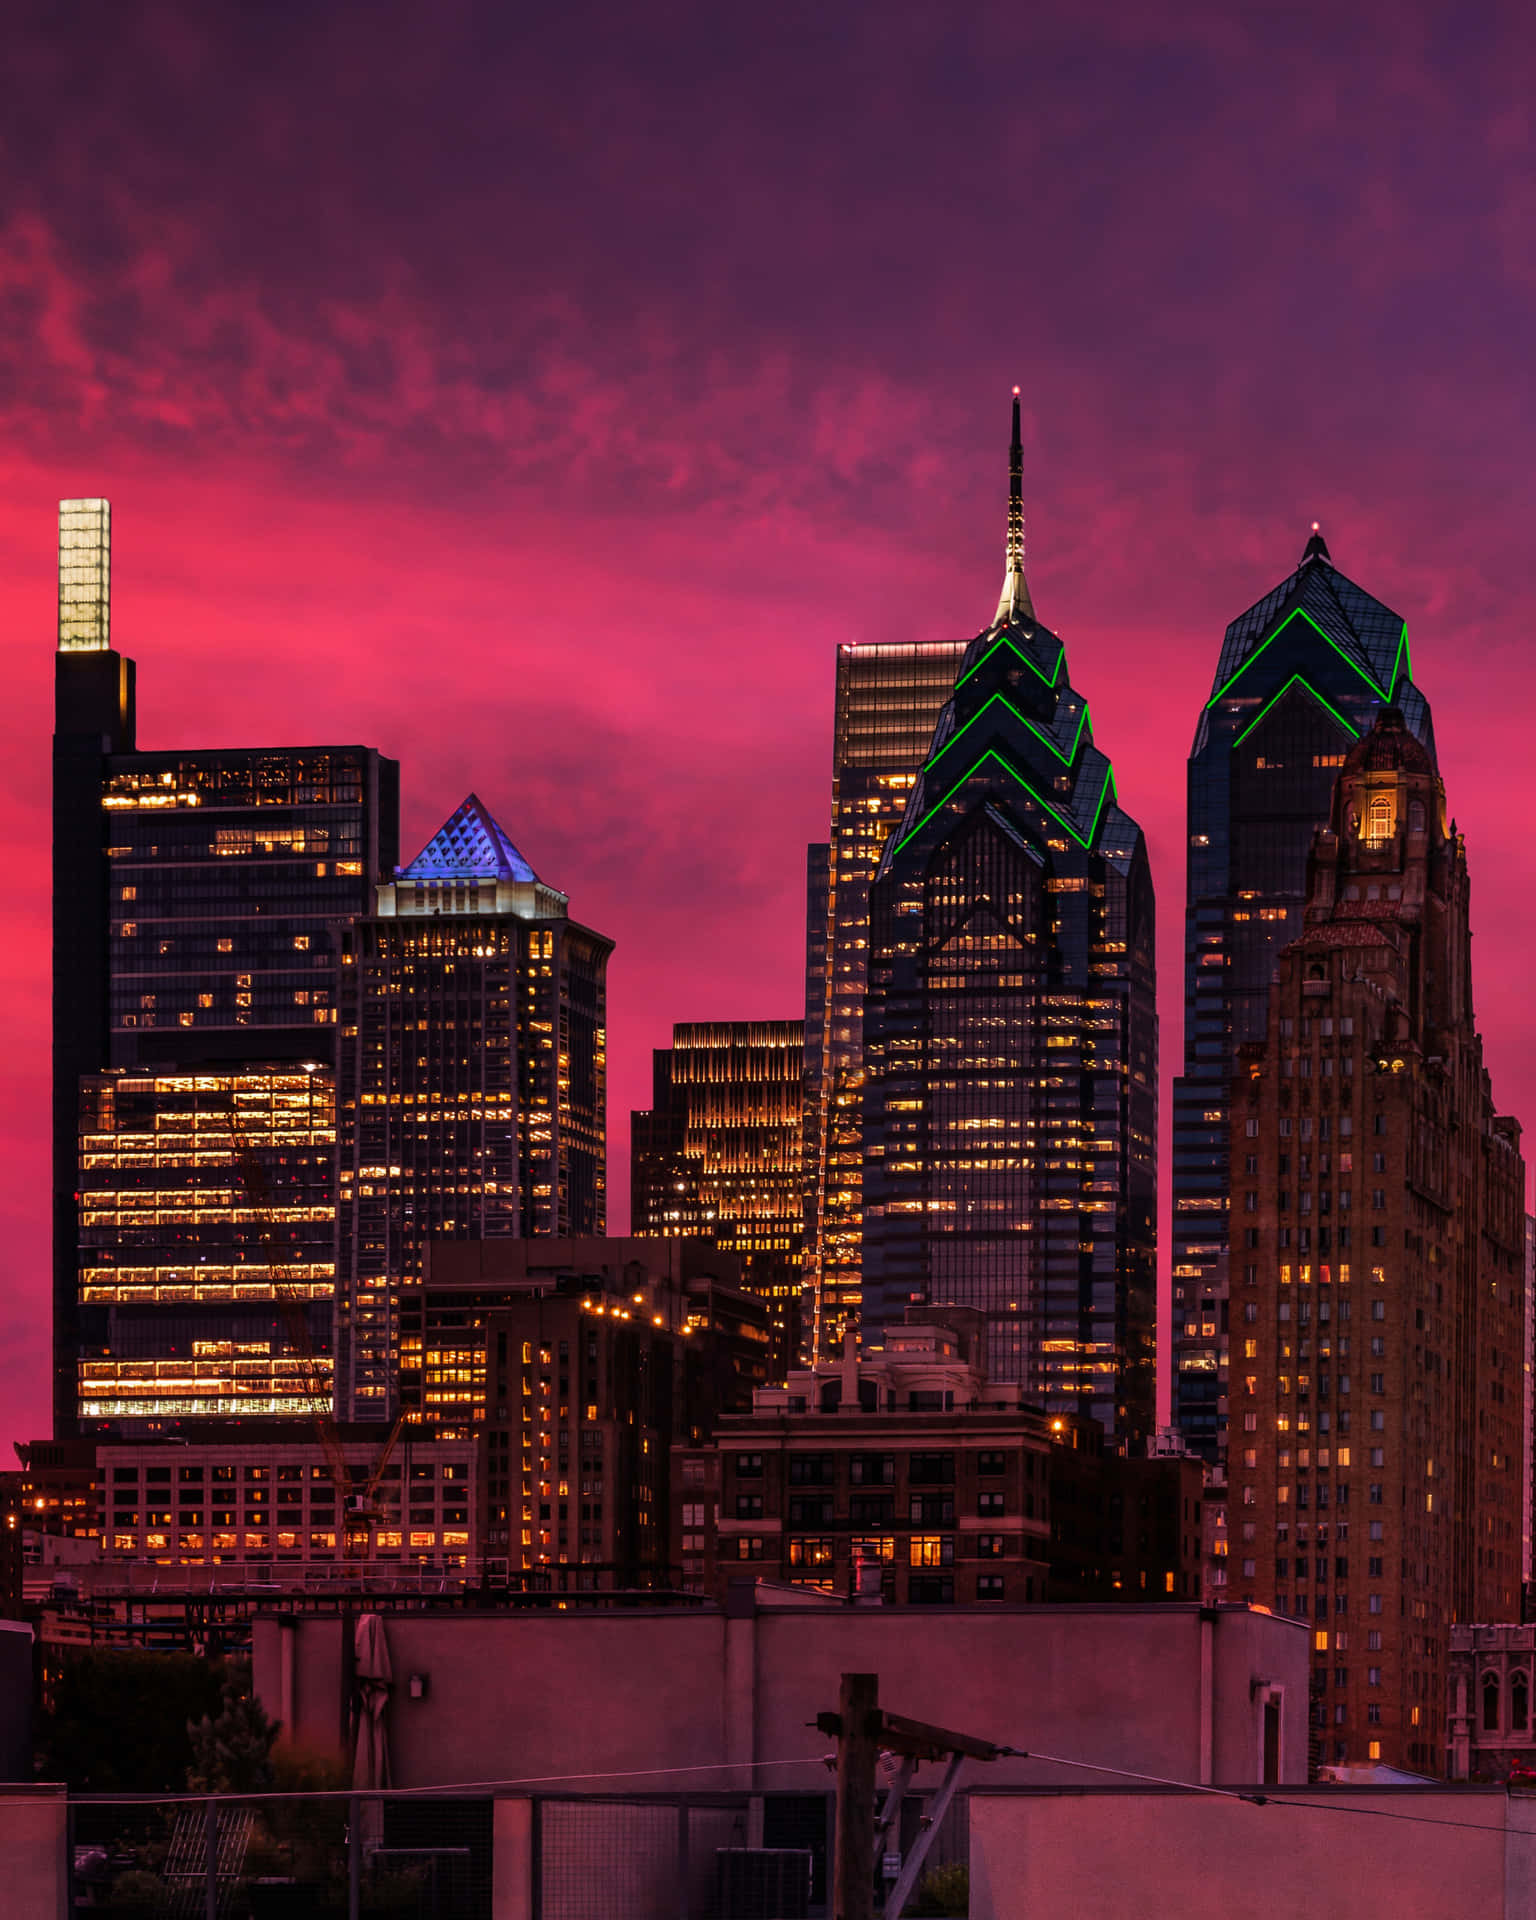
(469, 845)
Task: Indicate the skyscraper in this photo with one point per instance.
(889, 696)
(200, 1299)
(718, 1156)
(1376, 1464)
(1010, 1033)
(1302, 674)
(471, 1098)
(196, 895)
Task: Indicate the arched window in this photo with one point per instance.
(1378, 820)
(1415, 816)
(1520, 1701)
(1490, 1703)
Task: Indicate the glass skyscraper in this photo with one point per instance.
(471, 1100)
(196, 896)
(1010, 1034)
(1301, 676)
(889, 696)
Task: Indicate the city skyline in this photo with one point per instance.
(342, 481)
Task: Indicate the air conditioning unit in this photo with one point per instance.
(762, 1883)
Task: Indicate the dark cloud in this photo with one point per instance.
(543, 393)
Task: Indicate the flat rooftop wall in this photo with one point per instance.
(640, 1701)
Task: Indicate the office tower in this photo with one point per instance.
(1302, 674)
(889, 695)
(1376, 1460)
(718, 1155)
(207, 1243)
(1010, 1034)
(196, 895)
(471, 1098)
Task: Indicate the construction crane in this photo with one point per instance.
(359, 1503)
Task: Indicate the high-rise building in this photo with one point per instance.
(1376, 1461)
(471, 1101)
(199, 1297)
(1302, 674)
(1010, 1034)
(889, 696)
(718, 1156)
(196, 896)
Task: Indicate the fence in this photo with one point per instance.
(417, 1856)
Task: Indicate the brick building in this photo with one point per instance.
(912, 1461)
(1122, 1527)
(1378, 1298)
(572, 1366)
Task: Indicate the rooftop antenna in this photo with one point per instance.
(1014, 603)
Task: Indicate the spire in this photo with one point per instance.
(1015, 603)
(1317, 547)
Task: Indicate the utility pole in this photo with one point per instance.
(853, 1869)
(862, 1730)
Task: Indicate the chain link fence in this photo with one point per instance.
(410, 1856)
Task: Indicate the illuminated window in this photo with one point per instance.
(1379, 821)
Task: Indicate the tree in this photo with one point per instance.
(232, 1752)
(118, 1722)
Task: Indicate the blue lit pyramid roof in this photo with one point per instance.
(470, 845)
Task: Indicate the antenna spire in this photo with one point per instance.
(1015, 603)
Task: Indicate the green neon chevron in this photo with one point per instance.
(1300, 613)
(1066, 759)
(1402, 666)
(1003, 640)
(1306, 685)
(1044, 804)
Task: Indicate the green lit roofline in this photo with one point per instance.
(1066, 759)
(1004, 640)
(1300, 613)
(1044, 804)
(1296, 680)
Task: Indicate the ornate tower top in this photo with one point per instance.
(1014, 603)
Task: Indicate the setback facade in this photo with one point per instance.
(1301, 676)
(1010, 1035)
(1376, 1463)
(196, 897)
(472, 1089)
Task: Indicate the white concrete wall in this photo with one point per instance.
(1114, 1856)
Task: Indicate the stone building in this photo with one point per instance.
(1489, 1729)
(1378, 1299)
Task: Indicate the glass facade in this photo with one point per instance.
(1302, 675)
(718, 1156)
(195, 901)
(207, 1257)
(889, 697)
(472, 1087)
(229, 874)
(1010, 1039)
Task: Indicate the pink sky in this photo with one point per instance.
(544, 407)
